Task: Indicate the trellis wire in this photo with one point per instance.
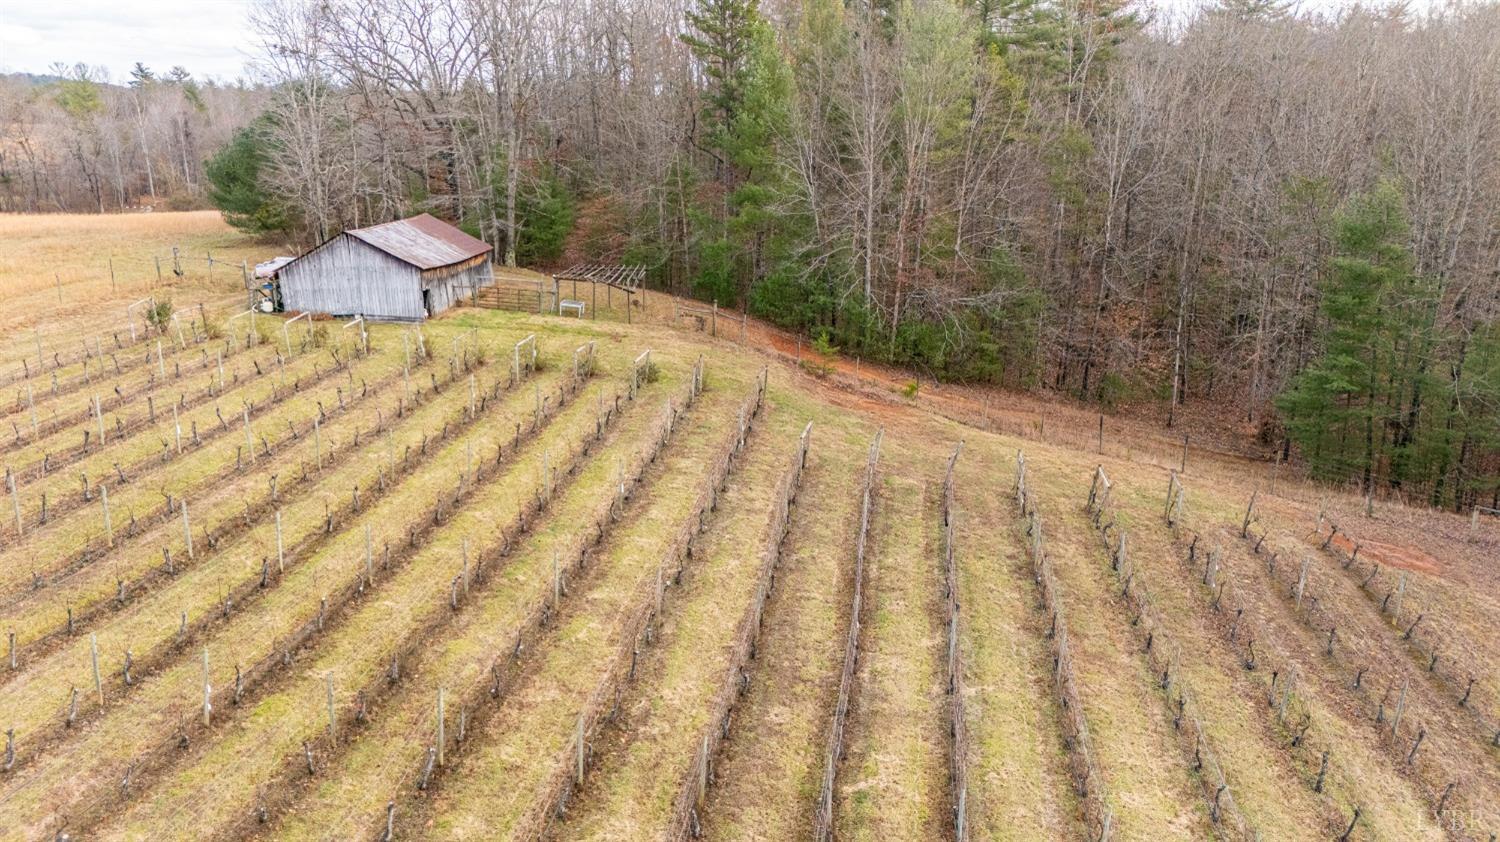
(834, 751)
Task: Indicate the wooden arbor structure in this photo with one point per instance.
(628, 279)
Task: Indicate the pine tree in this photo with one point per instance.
(1356, 411)
(235, 185)
(747, 111)
(721, 36)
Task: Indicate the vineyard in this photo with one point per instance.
(507, 575)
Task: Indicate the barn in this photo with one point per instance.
(404, 270)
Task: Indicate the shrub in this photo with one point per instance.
(159, 314)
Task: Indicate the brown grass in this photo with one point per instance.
(894, 781)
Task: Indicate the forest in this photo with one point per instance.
(1283, 217)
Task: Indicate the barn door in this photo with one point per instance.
(427, 302)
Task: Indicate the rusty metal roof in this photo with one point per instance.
(424, 241)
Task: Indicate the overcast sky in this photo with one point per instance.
(208, 37)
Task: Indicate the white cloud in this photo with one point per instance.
(208, 37)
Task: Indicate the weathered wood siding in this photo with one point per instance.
(445, 292)
(346, 276)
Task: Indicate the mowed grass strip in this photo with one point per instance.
(148, 624)
(214, 787)
(1456, 623)
(499, 781)
(84, 770)
(91, 361)
(893, 783)
(67, 541)
(1266, 784)
(121, 383)
(630, 792)
(219, 507)
(1019, 784)
(1361, 769)
(769, 770)
(1151, 789)
(349, 799)
(148, 455)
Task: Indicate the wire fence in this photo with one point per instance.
(1164, 658)
(692, 789)
(958, 725)
(833, 753)
(1083, 765)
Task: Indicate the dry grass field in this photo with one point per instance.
(289, 587)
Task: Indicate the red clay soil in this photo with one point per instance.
(1390, 555)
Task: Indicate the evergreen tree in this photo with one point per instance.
(721, 36)
(739, 240)
(1356, 410)
(545, 212)
(235, 187)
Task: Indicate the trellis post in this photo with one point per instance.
(109, 529)
(207, 691)
(187, 528)
(332, 721)
(579, 749)
(249, 437)
(94, 660)
(441, 701)
(15, 501)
